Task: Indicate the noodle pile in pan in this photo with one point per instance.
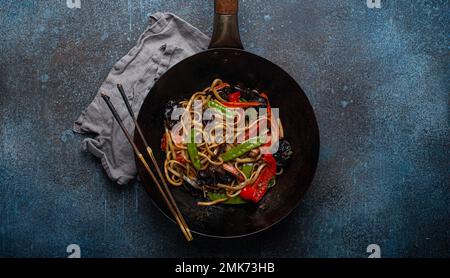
(217, 151)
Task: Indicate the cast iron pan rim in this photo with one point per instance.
(209, 51)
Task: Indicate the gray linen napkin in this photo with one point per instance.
(166, 41)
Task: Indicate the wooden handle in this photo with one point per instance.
(229, 7)
(226, 29)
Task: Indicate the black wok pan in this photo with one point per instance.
(227, 60)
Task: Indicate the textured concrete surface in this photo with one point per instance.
(378, 80)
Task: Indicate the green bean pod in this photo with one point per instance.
(242, 149)
(222, 109)
(193, 152)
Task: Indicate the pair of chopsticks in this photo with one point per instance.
(164, 189)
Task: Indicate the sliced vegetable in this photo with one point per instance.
(241, 104)
(222, 109)
(269, 110)
(193, 152)
(247, 169)
(255, 191)
(180, 158)
(236, 200)
(234, 97)
(242, 148)
(271, 163)
(164, 142)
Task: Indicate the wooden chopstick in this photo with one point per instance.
(169, 201)
(150, 153)
(152, 157)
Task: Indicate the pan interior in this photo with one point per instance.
(236, 66)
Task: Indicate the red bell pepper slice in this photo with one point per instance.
(271, 163)
(241, 104)
(163, 142)
(234, 97)
(180, 158)
(269, 110)
(255, 191)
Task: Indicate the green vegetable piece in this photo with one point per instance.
(193, 152)
(247, 169)
(242, 149)
(222, 109)
(236, 200)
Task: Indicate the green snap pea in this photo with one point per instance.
(247, 169)
(236, 200)
(222, 109)
(242, 149)
(193, 152)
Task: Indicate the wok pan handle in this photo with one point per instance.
(226, 29)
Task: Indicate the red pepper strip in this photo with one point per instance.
(234, 97)
(229, 168)
(271, 163)
(269, 121)
(255, 191)
(180, 158)
(241, 104)
(163, 142)
(269, 110)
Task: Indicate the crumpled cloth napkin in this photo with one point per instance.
(167, 40)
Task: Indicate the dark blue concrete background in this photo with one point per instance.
(378, 80)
